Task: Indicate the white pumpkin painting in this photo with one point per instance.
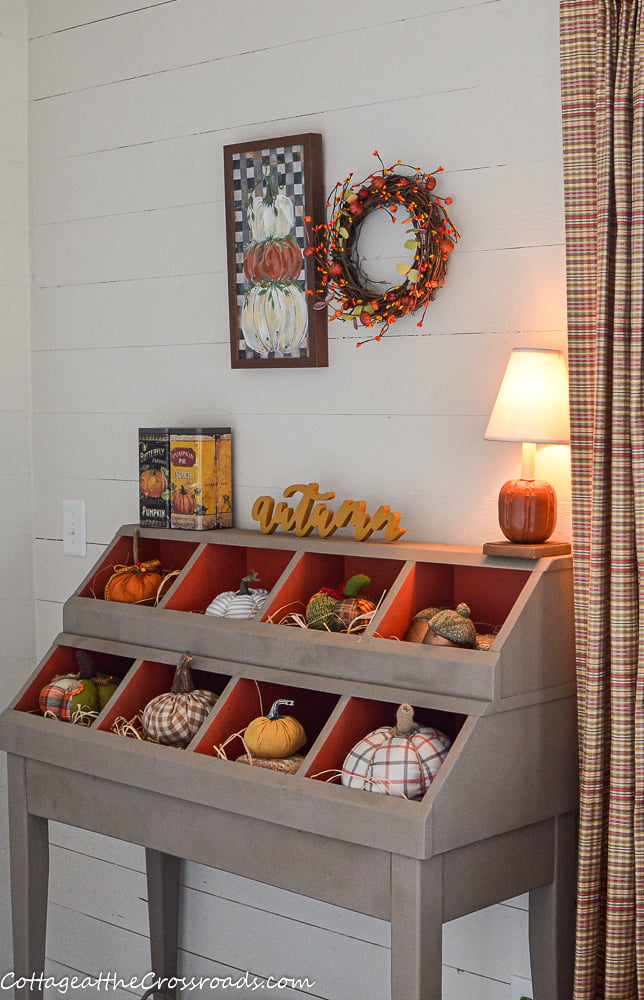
(274, 315)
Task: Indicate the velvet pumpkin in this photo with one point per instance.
(273, 735)
(137, 584)
(174, 717)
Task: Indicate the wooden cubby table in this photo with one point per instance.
(497, 821)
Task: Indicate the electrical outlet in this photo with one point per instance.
(521, 989)
(74, 534)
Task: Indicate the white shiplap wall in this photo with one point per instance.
(16, 523)
(130, 105)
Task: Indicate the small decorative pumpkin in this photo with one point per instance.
(273, 735)
(273, 260)
(402, 760)
(240, 604)
(174, 718)
(337, 610)
(153, 483)
(137, 584)
(452, 628)
(77, 697)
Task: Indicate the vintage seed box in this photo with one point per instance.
(154, 477)
(201, 477)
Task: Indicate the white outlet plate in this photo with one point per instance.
(74, 533)
(521, 988)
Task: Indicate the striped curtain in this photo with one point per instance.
(602, 50)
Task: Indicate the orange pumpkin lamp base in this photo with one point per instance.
(527, 510)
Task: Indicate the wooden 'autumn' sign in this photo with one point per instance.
(311, 512)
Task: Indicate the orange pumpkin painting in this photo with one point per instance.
(153, 483)
(183, 501)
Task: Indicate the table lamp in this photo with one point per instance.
(531, 407)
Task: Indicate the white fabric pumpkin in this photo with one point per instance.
(402, 760)
(173, 718)
(240, 604)
(274, 317)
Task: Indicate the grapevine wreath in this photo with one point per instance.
(344, 284)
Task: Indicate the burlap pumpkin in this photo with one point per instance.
(174, 718)
(399, 760)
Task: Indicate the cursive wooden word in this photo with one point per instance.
(312, 512)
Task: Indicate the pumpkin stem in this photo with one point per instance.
(182, 683)
(86, 669)
(252, 577)
(355, 584)
(274, 712)
(404, 720)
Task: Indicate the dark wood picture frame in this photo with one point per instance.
(270, 186)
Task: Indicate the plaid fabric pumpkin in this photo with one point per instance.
(173, 718)
(400, 760)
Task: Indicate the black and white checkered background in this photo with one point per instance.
(248, 172)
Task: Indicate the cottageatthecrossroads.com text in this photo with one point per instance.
(111, 981)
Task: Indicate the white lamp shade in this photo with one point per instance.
(532, 403)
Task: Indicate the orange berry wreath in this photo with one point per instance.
(344, 286)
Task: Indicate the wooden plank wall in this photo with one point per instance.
(130, 104)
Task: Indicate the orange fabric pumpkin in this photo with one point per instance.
(137, 584)
(271, 736)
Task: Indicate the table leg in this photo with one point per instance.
(29, 863)
(552, 919)
(416, 928)
(162, 871)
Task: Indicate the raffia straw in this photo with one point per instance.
(83, 716)
(259, 695)
(133, 728)
(274, 621)
(220, 749)
(335, 774)
(160, 590)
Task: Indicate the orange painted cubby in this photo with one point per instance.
(361, 716)
(221, 568)
(149, 680)
(172, 554)
(315, 570)
(249, 699)
(490, 593)
(62, 660)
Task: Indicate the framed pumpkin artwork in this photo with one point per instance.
(274, 195)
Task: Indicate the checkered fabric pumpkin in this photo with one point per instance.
(174, 718)
(400, 760)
